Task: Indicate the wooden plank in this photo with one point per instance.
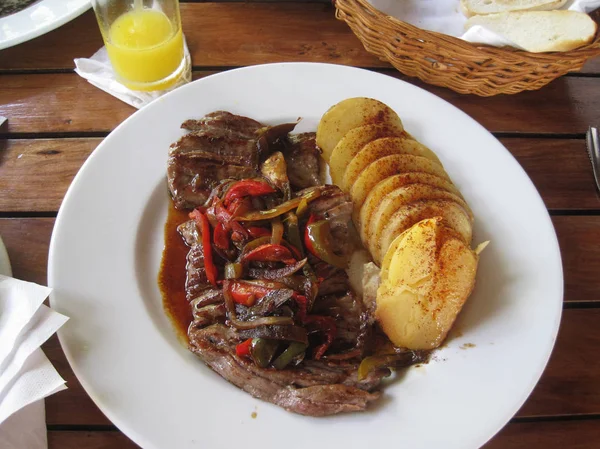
(72, 406)
(569, 386)
(229, 34)
(559, 168)
(547, 435)
(311, 25)
(27, 241)
(579, 239)
(571, 383)
(63, 103)
(89, 440)
(50, 165)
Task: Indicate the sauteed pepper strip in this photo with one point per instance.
(221, 237)
(243, 349)
(279, 210)
(209, 266)
(326, 325)
(246, 294)
(248, 187)
(269, 253)
(317, 239)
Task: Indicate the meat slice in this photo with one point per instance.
(223, 122)
(219, 146)
(319, 389)
(196, 281)
(303, 160)
(336, 207)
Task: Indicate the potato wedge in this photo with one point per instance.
(352, 113)
(453, 216)
(379, 148)
(427, 283)
(352, 142)
(374, 225)
(366, 201)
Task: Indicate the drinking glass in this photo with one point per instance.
(144, 41)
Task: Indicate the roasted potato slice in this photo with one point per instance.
(366, 201)
(349, 114)
(431, 274)
(373, 226)
(353, 141)
(379, 148)
(392, 165)
(452, 214)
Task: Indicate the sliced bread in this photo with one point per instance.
(540, 31)
(475, 7)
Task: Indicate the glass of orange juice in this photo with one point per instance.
(144, 41)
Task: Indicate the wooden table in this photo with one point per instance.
(56, 119)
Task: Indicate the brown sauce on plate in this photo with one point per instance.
(172, 274)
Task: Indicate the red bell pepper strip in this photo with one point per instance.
(221, 237)
(209, 266)
(225, 217)
(302, 302)
(245, 293)
(256, 232)
(248, 187)
(329, 329)
(243, 349)
(269, 253)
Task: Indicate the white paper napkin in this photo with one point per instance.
(444, 16)
(99, 72)
(26, 375)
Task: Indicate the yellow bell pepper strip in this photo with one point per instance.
(292, 231)
(276, 231)
(233, 270)
(279, 210)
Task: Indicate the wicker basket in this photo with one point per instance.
(450, 62)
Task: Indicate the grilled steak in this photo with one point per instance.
(314, 309)
(315, 388)
(218, 146)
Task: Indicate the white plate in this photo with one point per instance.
(106, 249)
(38, 18)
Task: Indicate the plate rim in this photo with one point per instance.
(141, 439)
(37, 32)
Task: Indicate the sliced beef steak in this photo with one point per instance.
(223, 122)
(317, 388)
(302, 157)
(219, 146)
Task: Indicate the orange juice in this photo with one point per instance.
(144, 48)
